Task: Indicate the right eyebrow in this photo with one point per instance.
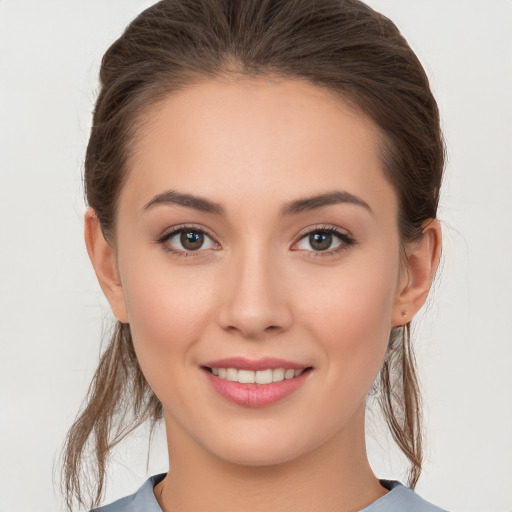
(188, 200)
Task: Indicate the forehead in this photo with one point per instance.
(255, 137)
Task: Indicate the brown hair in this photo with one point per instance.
(342, 45)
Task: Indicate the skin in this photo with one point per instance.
(258, 288)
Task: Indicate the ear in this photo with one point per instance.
(416, 277)
(103, 259)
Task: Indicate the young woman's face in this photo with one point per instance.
(257, 239)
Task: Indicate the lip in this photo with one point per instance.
(255, 395)
(265, 363)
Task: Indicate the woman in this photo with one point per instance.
(262, 179)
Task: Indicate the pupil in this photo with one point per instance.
(191, 240)
(320, 241)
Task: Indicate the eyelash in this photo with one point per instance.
(346, 240)
(184, 228)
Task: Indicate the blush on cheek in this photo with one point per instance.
(356, 324)
(169, 314)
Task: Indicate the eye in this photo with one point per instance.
(326, 240)
(186, 240)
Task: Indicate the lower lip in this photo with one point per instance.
(256, 395)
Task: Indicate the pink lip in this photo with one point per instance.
(241, 363)
(255, 395)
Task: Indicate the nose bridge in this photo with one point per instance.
(255, 301)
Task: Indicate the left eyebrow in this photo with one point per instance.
(320, 200)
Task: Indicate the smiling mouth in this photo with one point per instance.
(267, 376)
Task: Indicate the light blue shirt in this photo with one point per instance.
(398, 499)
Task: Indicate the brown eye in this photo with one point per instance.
(187, 240)
(191, 240)
(324, 240)
(320, 240)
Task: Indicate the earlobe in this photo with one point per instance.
(103, 259)
(422, 260)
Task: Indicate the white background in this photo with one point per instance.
(52, 312)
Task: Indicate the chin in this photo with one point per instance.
(258, 457)
(255, 449)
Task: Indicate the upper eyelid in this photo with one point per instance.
(183, 227)
(164, 240)
(323, 227)
(345, 237)
(299, 236)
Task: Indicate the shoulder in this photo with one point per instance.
(401, 499)
(141, 501)
(122, 505)
(398, 499)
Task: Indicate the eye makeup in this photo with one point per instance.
(190, 240)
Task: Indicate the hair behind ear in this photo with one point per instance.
(118, 401)
(400, 399)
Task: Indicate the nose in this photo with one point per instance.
(255, 303)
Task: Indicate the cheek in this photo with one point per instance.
(167, 311)
(351, 315)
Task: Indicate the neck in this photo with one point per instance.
(335, 477)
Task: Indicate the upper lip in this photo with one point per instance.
(265, 363)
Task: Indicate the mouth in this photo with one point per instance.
(256, 383)
(267, 376)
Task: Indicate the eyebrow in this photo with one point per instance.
(293, 208)
(327, 199)
(188, 200)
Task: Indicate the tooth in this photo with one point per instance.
(263, 377)
(289, 374)
(246, 376)
(258, 377)
(278, 375)
(232, 374)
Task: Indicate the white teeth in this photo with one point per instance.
(246, 377)
(258, 377)
(278, 374)
(263, 377)
(232, 374)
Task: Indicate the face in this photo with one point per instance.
(256, 240)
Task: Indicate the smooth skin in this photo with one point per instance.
(256, 284)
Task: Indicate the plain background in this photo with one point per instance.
(52, 314)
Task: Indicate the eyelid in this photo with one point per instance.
(170, 232)
(332, 228)
(346, 238)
